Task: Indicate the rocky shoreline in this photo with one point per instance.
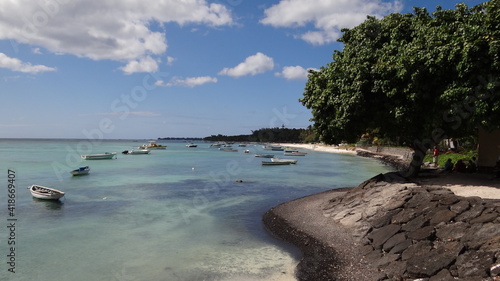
(389, 228)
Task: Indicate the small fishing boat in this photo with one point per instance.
(228, 149)
(271, 163)
(273, 147)
(191, 145)
(291, 161)
(81, 171)
(264, 155)
(100, 156)
(152, 145)
(137, 151)
(47, 193)
(294, 153)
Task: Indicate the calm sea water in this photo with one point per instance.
(175, 214)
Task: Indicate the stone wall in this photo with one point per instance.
(408, 231)
(402, 231)
(404, 153)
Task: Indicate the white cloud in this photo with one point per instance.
(170, 60)
(187, 82)
(146, 64)
(327, 16)
(113, 29)
(294, 73)
(19, 66)
(252, 65)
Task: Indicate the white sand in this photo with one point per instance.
(321, 147)
(465, 185)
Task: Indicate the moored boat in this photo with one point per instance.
(137, 151)
(191, 145)
(271, 163)
(81, 171)
(273, 147)
(294, 153)
(47, 193)
(291, 161)
(152, 145)
(99, 156)
(264, 155)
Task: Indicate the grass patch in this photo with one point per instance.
(466, 156)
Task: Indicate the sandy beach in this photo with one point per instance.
(322, 147)
(467, 185)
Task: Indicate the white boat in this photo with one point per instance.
(273, 147)
(294, 153)
(100, 156)
(264, 155)
(191, 145)
(137, 151)
(42, 192)
(269, 163)
(152, 145)
(81, 171)
(291, 161)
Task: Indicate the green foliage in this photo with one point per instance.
(411, 77)
(442, 158)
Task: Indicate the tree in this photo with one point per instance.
(414, 78)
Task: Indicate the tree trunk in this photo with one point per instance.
(416, 163)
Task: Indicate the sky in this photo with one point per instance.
(143, 69)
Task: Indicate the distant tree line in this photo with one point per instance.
(269, 135)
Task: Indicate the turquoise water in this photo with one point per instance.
(175, 214)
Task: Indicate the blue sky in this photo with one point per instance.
(167, 68)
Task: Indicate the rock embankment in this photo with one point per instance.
(389, 229)
(398, 162)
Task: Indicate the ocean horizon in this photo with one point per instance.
(183, 213)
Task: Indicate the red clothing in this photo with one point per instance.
(436, 152)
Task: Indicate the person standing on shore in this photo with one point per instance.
(435, 154)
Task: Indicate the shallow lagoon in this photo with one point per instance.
(176, 214)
